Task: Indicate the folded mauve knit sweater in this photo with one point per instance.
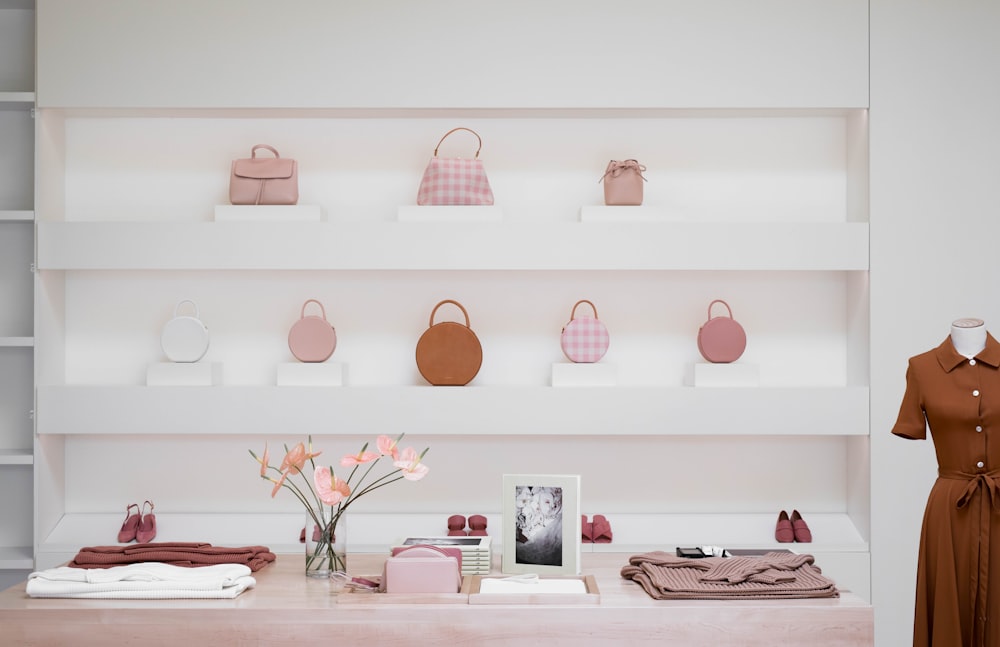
(176, 553)
(773, 575)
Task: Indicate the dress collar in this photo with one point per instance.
(949, 358)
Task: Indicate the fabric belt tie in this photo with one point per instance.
(989, 484)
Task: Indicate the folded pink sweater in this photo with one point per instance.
(175, 553)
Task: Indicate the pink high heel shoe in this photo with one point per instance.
(130, 525)
(147, 525)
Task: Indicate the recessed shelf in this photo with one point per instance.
(17, 100)
(16, 215)
(514, 410)
(17, 342)
(17, 558)
(16, 457)
(450, 246)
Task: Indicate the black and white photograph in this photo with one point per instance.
(541, 524)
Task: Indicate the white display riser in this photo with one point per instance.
(809, 246)
(253, 410)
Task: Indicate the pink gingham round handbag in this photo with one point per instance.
(455, 181)
(585, 340)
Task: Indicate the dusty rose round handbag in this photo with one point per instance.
(449, 353)
(312, 338)
(584, 340)
(721, 340)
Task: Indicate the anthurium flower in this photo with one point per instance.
(364, 456)
(330, 488)
(296, 459)
(264, 461)
(388, 446)
(278, 483)
(409, 463)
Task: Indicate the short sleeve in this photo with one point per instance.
(911, 422)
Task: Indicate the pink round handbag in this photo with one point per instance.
(721, 340)
(585, 340)
(312, 338)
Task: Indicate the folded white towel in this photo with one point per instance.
(148, 580)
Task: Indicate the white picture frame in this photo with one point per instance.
(541, 524)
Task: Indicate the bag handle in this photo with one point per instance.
(177, 307)
(422, 550)
(467, 325)
(478, 138)
(572, 315)
(308, 301)
(253, 151)
(723, 303)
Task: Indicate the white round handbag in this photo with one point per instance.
(185, 337)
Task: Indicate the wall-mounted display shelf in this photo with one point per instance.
(581, 411)
(486, 246)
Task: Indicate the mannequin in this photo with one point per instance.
(953, 393)
(968, 336)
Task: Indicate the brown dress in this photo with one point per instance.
(958, 569)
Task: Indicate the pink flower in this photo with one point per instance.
(263, 461)
(330, 489)
(296, 459)
(409, 463)
(278, 483)
(388, 446)
(364, 456)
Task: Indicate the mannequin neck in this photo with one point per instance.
(968, 336)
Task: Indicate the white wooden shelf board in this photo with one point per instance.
(427, 410)
(17, 342)
(17, 100)
(16, 457)
(377, 532)
(16, 215)
(450, 246)
(16, 558)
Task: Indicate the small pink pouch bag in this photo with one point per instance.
(422, 569)
(265, 180)
(623, 183)
(721, 340)
(312, 338)
(585, 340)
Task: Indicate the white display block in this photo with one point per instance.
(637, 213)
(184, 374)
(596, 374)
(726, 375)
(268, 213)
(450, 213)
(311, 374)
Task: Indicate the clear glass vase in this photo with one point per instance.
(326, 552)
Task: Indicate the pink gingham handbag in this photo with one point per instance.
(585, 340)
(455, 181)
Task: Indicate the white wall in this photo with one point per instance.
(934, 227)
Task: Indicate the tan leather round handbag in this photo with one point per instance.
(449, 353)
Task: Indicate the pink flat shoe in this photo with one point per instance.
(602, 530)
(800, 529)
(147, 525)
(130, 525)
(783, 532)
(477, 526)
(456, 526)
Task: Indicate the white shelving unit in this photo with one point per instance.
(762, 201)
(17, 101)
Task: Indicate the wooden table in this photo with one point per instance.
(286, 608)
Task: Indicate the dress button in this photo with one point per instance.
(979, 464)
(979, 428)
(972, 362)
(976, 393)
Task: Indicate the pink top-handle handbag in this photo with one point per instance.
(264, 180)
(585, 340)
(312, 338)
(455, 181)
(721, 340)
